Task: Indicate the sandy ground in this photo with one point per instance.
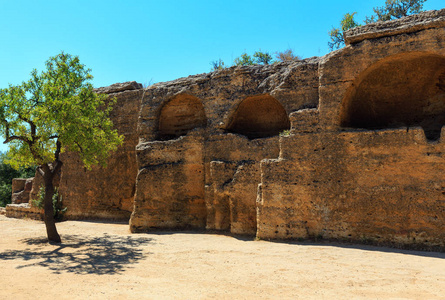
(105, 261)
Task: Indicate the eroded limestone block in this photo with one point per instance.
(106, 192)
(170, 185)
(406, 25)
(384, 186)
(21, 189)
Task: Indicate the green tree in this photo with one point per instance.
(395, 9)
(263, 57)
(244, 60)
(287, 55)
(54, 111)
(336, 35)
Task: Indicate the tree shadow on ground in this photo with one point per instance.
(108, 254)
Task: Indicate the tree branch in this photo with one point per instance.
(57, 167)
(13, 137)
(40, 171)
(80, 147)
(31, 124)
(57, 162)
(57, 153)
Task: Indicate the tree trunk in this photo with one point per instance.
(51, 231)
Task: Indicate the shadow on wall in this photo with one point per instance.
(81, 255)
(402, 90)
(180, 115)
(259, 117)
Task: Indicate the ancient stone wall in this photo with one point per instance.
(347, 146)
(202, 139)
(21, 188)
(386, 186)
(106, 192)
(373, 169)
(360, 156)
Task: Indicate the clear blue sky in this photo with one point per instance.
(152, 41)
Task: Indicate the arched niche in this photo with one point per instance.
(403, 90)
(180, 115)
(258, 117)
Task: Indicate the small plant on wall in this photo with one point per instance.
(285, 133)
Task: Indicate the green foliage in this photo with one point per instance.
(5, 194)
(217, 65)
(285, 132)
(396, 9)
(244, 60)
(258, 57)
(393, 9)
(262, 57)
(59, 210)
(57, 110)
(287, 55)
(54, 111)
(336, 34)
(7, 173)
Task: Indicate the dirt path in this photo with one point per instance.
(104, 261)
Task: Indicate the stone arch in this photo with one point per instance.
(401, 90)
(258, 117)
(180, 115)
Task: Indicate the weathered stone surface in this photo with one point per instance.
(180, 115)
(23, 210)
(361, 158)
(119, 87)
(105, 192)
(233, 172)
(386, 186)
(18, 185)
(21, 189)
(294, 85)
(400, 91)
(344, 73)
(237, 114)
(406, 25)
(170, 185)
